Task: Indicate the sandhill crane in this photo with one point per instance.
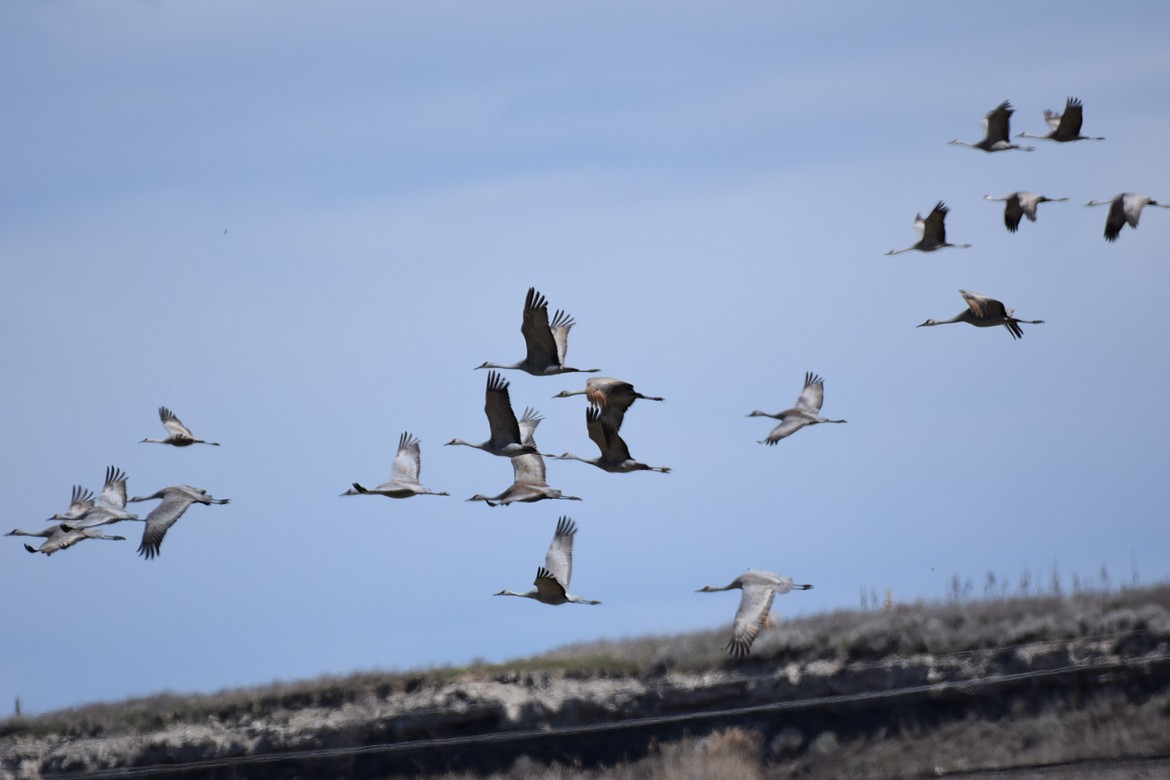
(1066, 126)
(180, 435)
(807, 411)
(1125, 207)
(547, 344)
(984, 312)
(110, 506)
(403, 482)
(81, 502)
(755, 605)
(506, 440)
(529, 482)
(605, 392)
(932, 232)
(552, 579)
(1021, 204)
(615, 454)
(996, 131)
(175, 501)
(59, 537)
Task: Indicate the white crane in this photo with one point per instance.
(605, 392)
(932, 232)
(1065, 127)
(110, 506)
(1021, 204)
(547, 344)
(403, 482)
(176, 499)
(984, 312)
(59, 537)
(807, 411)
(529, 481)
(997, 131)
(755, 605)
(180, 435)
(615, 453)
(506, 440)
(552, 579)
(1124, 208)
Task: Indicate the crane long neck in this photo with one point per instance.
(529, 595)
(571, 456)
(961, 317)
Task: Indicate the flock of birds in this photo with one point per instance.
(608, 402)
(1124, 208)
(87, 513)
(510, 437)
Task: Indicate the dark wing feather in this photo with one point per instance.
(935, 231)
(999, 123)
(1071, 120)
(538, 336)
(1012, 213)
(498, 408)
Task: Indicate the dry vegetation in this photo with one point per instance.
(1122, 718)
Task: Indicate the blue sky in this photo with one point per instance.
(708, 191)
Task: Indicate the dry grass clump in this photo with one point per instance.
(1104, 726)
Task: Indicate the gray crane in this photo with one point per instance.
(176, 499)
(1124, 208)
(59, 537)
(110, 506)
(806, 411)
(552, 579)
(1018, 205)
(529, 483)
(1065, 127)
(615, 453)
(932, 232)
(605, 392)
(506, 440)
(997, 131)
(403, 482)
(547, 344)
(180, 435)
(82, 501)
(984, 312)
(755, 605)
